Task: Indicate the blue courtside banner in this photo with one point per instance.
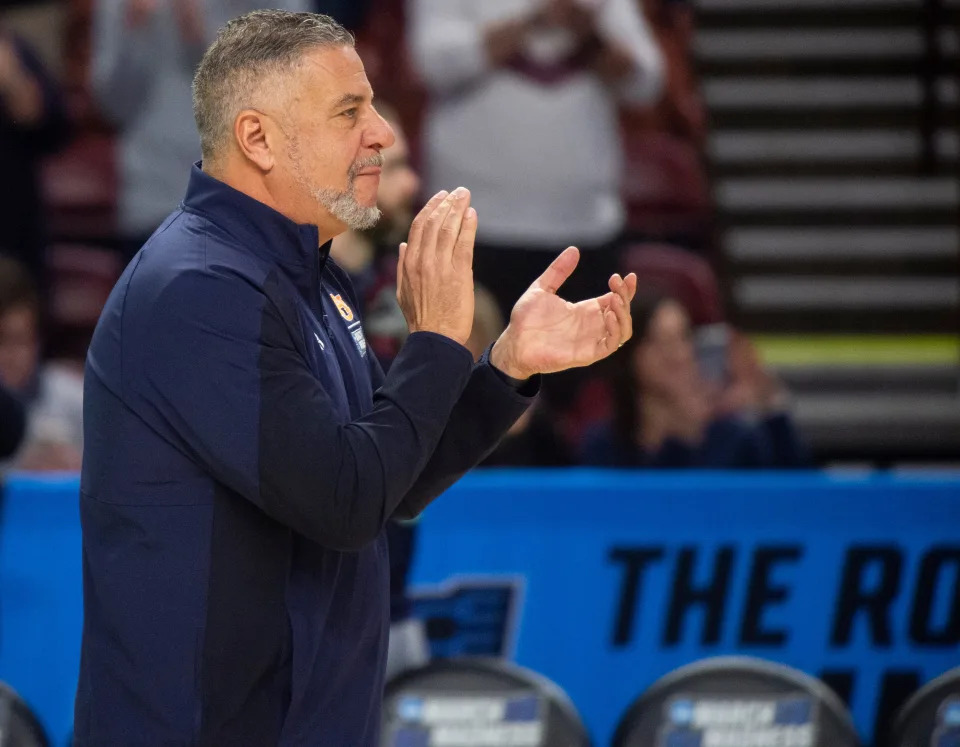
(618, 578)
(603, 581)
(41, 597)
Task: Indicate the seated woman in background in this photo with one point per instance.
(668, 414)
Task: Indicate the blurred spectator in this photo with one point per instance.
(523, 111)
(665, 185)
(33, 123)
(53, 396)
(11, 423)
(668, 414)
(144, 54)
(533, 441)
(680, 111)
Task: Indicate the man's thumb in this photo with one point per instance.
(559, 270)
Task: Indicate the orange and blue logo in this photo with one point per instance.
(345, 311)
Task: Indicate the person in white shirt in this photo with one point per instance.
(523, 111)
(144, 53)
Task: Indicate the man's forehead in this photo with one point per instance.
(336, 76)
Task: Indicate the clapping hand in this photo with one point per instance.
(435, 269)
(547, 334)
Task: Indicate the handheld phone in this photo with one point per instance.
(711, 342)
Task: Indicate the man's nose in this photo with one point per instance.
(380, 135)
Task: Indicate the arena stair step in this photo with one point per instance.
(834, 158)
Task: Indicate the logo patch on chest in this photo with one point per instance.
(345, 311)
(353, 324)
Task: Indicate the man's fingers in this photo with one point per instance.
(415, 237)
(621, 308)
(626, 287)
(614, 305)
(616, 284)
(416, 230)
(559, 270)
(403, 251)
(463, 251)
(431, 232)
(611, 340)
(619, 286)
(450, 230)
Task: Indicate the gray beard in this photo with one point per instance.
(344, 207)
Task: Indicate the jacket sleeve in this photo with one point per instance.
(225, 377)
(481, 418)
(11, 423)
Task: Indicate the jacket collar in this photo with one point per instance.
(263, 231)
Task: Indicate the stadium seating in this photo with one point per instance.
(931, 716)
(737, 700)
(485, 701)
(686, 276)
(19, 727)
(665, 189)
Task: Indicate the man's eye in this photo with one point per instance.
(350, 113)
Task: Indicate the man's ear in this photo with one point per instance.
(257, 138)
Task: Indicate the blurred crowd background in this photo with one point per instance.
(782, 176)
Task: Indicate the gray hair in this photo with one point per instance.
(247, 50)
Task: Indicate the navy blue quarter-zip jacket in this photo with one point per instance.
(243, 451)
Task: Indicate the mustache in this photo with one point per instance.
(364, 163)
